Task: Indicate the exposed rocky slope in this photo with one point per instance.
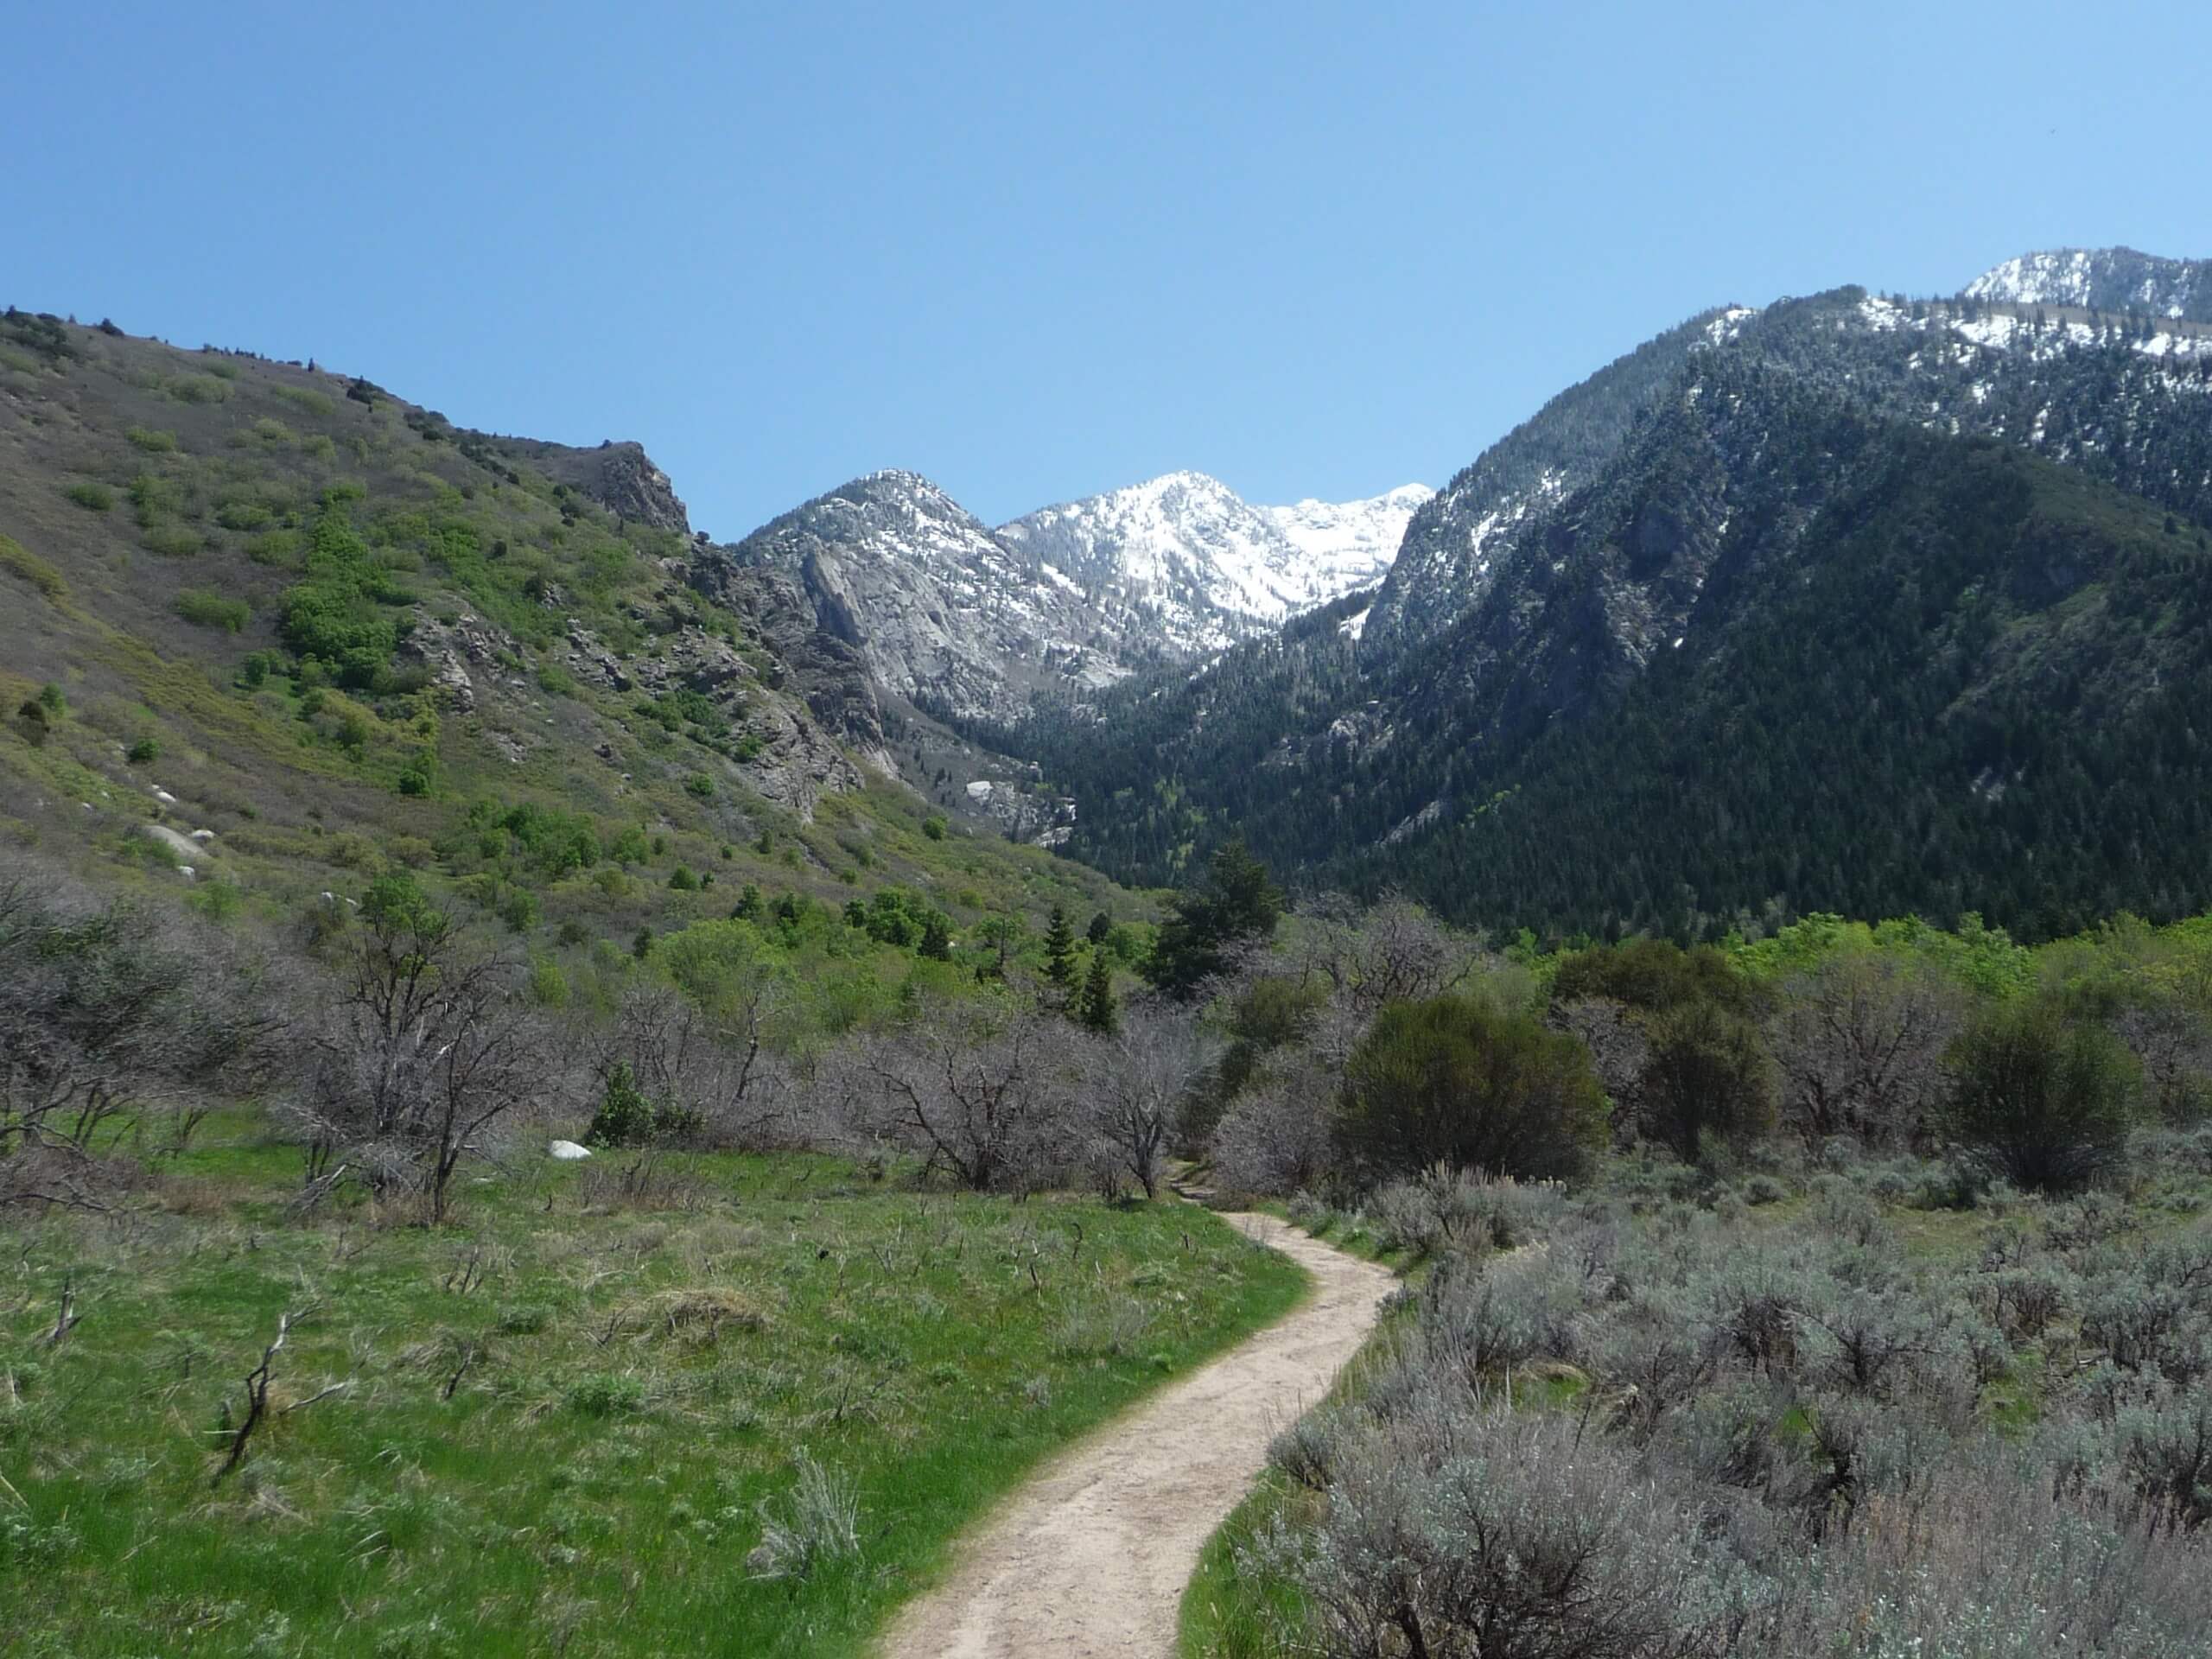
(969, 623)
(946, 615)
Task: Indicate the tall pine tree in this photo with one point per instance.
(1059, 951)
(1098, 1010)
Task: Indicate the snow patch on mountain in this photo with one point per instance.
(2104, 279)
(1202, 567)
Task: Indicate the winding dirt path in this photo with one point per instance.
(1089, 1558)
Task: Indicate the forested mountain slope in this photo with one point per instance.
(1873, 606)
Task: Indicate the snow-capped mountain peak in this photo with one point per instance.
(1206, 567)
(955, 616)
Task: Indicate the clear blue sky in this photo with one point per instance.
(1040, 250)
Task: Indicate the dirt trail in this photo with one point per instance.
(1089, 1558)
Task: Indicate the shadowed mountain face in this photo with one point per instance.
(1844, 604)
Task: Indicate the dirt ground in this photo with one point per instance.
(1090, 1557)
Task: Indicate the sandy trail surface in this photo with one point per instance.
(1090, 1556)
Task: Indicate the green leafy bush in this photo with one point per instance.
(1454, 1081)
(211, 610)
(93, 497)
(2042, 1098)
(174, 541)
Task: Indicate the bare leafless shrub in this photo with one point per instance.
(1619, 1050)
(2171, 1040)
(1132, 1085)
(1278, 1136)
(1860, 1045)
(710, 1077)
(110, 1010)
(987, 1094)
(1393, 952)
(424, 1047)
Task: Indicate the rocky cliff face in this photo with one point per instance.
(945, 614)
(620, 477)
(959, 619)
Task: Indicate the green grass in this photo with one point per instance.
(24, 565)
(644, 1381)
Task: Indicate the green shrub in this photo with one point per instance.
(218, 901)
(174, 541)
(605, 1395)
(627, 1117)
(279, 548)
(1707, 1082)
(93, 497)
(700, 784)
(2041, 1098)
(934, 826)
(144, 752)
(243, 515)
(548, 987)
(209, 610)
(199, 389)
(153, 442)
(1454, 1081)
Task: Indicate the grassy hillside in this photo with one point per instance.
(281, 604)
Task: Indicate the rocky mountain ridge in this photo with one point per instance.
(2102, 279)
(966, 622)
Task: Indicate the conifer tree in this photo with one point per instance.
(1059, 951)
(1098, 1011)
(937, 938)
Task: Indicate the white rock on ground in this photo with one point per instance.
(567, 1152)
(182, 846)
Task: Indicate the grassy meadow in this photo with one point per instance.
(569, 1422)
